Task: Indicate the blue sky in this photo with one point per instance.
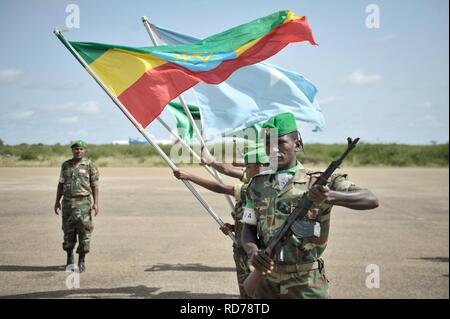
(385, 85)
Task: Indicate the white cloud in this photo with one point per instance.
(386, 38)
(89, 107)
(53, 86)
(22, 115)
(426, 118)
(426, 121)
(426, 105)
(68, 120)
(59, 107)
(78, 133)
(327, 100)
(361, 77)
(8, 76)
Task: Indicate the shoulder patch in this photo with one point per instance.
(340, 182)
(249, 216)
(301, 176)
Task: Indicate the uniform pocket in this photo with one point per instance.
(284, 207)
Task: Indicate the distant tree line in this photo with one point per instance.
(144, 155)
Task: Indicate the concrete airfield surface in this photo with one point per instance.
(152, 239)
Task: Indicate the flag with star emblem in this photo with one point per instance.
(146, 79)
(249, 96)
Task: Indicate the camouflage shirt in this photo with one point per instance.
(240, 194)
(78, 180)
(272, 196)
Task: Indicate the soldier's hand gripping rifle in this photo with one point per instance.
(304, 204)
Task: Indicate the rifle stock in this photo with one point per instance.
(253, 280)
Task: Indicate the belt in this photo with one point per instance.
(298, 267)
(76, 197)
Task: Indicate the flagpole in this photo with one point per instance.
(186, 110)
(141, 130)
(197, 157)
(180, 97)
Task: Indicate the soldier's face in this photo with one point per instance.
(282, 152)
(78, 152)
(252, 169)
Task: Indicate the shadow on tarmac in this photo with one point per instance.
(189, 267)
(30, 268)
(120, 292)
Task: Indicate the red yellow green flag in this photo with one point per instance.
(146, 79)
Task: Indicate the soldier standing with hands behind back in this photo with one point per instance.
(78, 180)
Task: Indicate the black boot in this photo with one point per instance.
(69, 263)
(81, 263)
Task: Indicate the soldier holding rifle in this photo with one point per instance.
(292, 266)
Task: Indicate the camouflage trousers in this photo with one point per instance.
(242, 269)
(302, 285)
(77, 220)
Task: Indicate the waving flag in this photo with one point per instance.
(250, 95)
(184, 127)
(146, 79)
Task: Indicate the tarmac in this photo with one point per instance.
(152, 239)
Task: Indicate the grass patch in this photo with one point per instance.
(145, 156)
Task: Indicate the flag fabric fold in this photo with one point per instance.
(146, 79)
(184, 127)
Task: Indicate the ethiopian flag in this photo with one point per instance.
(146, 79)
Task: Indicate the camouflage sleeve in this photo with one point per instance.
(93, 175)
(61, 175)
(237, 191)
(249, 216)
(340, 183)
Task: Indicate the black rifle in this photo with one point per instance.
(304, 204)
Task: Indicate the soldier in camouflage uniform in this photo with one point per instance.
(255, 160)
(77, 182)
(297, 269)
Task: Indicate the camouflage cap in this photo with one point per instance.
(285, 123)
(256, 154)
(78, 143)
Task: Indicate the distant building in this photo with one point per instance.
(165, 142)
(135, 141)
(120, 142)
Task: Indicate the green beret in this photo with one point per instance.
(285, 123)
(79, 143)
(256, 154)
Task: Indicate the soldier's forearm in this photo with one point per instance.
(95, 194)
(248, 239)
(59, 192)
(227, 170)
(240, 163)
(213, 186)
(359, 199)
